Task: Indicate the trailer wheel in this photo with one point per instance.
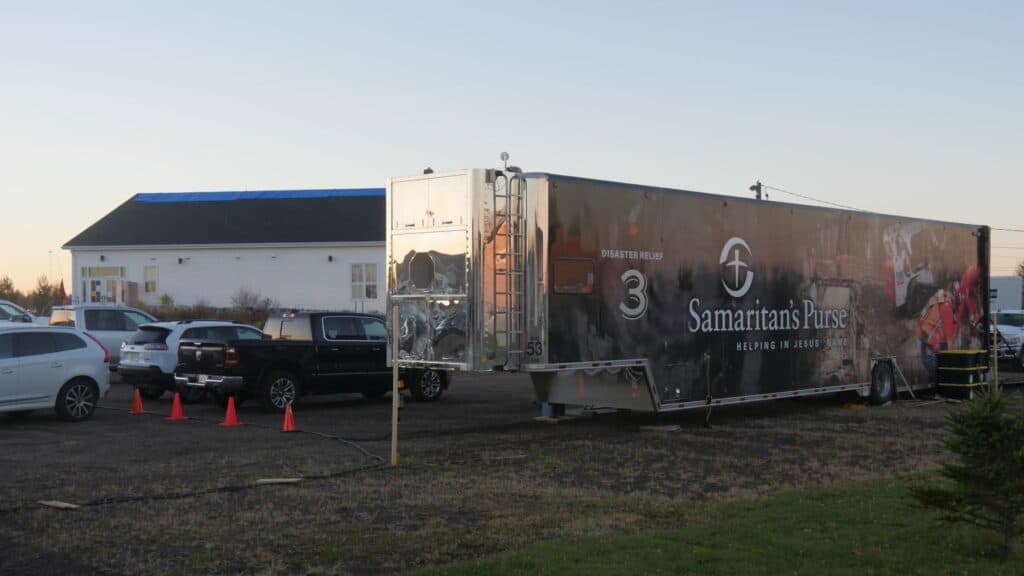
(883, 386)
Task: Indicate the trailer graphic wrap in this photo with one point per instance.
(626, 296)
(776, 297)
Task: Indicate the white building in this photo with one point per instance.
(1007, 292)
(312, 249)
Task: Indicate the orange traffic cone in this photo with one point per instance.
(289, 419)
(230, 417)
(177, 414)
(137, 403)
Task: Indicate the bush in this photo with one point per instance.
(987, 481)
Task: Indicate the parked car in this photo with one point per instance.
(1010, 335)
(149, 356)
(108, 323)
(308, 353)
(44, 367)
(11, 312)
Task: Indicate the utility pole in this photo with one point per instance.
(756, 189)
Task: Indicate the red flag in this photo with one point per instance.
(64, 298)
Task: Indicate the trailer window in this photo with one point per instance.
(573, 276)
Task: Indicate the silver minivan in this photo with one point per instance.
(109, 324)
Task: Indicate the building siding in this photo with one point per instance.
(307, 277)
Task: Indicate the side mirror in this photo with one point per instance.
(23, 318)
(267, 336)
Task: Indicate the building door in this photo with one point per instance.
(104, 283)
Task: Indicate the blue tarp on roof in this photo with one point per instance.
(255, 195)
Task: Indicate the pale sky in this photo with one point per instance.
(909, 108)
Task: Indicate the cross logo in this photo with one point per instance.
(732, 250)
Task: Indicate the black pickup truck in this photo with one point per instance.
(307, 353)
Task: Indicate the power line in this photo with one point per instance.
(812, 199)
(854, 208)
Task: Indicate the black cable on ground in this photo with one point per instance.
(339, 439)
(380, 462)
(193, 493)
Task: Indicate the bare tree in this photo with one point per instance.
(251, 300)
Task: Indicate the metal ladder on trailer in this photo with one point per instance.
(509, 266)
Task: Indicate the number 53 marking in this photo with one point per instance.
(635, 305)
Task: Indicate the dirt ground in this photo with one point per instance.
(477, 475)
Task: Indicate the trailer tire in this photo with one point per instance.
(883, 385)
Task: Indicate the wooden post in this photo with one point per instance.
(394, 386)
(995, 350)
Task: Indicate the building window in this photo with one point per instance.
(364, 281)
(150, 273)
(103, 272)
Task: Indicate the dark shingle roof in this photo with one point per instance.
(266, 217)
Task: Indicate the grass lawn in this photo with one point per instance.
(867, 529)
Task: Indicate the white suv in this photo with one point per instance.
(45, 367)
(109, 324)
(150, 355)
(1010, 326)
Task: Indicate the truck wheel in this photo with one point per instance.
(76, 401)
(279, 389)
(883, 386)
(428, 385)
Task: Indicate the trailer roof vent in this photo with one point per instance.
(421, 270)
